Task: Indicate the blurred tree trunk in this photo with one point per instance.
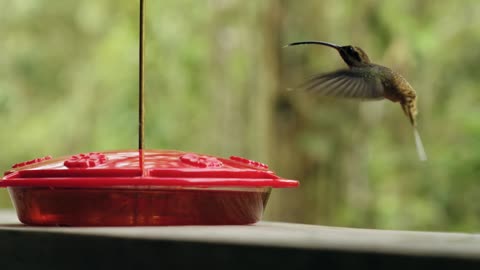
(283, 123)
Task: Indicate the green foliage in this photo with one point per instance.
(216, 83)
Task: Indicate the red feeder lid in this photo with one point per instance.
(155, 168)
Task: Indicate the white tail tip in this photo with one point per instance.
(420, 149)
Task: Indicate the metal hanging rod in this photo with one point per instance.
(141, 78)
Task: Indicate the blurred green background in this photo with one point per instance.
(216, 83)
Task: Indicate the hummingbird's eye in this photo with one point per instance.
(354, 53)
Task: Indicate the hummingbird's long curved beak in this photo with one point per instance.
(314, 42)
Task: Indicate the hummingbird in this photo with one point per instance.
(364, 80)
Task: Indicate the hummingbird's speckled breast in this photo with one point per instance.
(397, 88)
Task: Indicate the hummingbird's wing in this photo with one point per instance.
(347, 83)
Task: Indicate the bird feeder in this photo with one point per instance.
(141, 187)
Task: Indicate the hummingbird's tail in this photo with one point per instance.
(410, 110)
(418, 142)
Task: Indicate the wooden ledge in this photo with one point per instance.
(263, 245)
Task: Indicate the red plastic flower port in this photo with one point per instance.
(30, 162)
(201, 161)
(85, 160)
(249, 162)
